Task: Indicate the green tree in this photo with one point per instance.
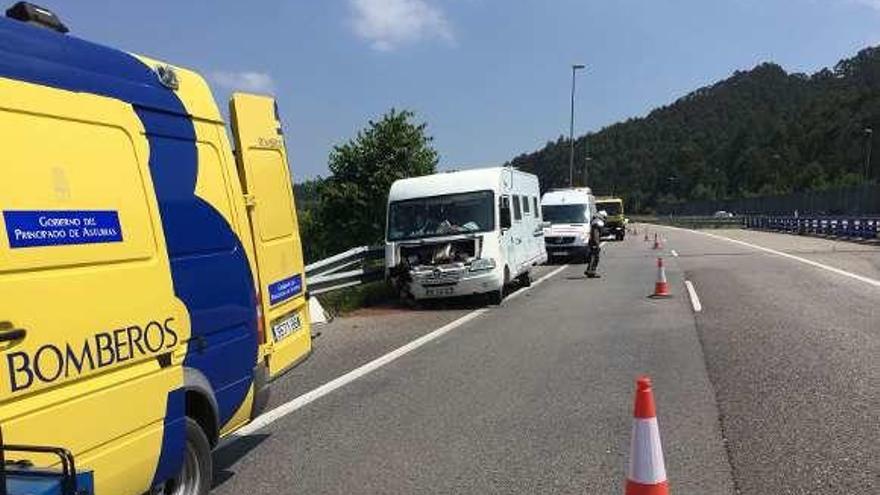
(352, 201)
(761, 131)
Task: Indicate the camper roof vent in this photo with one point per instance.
(34, 14)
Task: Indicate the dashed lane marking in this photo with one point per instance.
(695, 299)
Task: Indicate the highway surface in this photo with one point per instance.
(772, 388)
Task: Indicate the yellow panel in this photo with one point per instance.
(211, 182)
(86, 377)
(61, 177)
(294, 348)
(262, 162)
(271, 181)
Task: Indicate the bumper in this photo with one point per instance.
(470, 284)
(613, 228)
(566, 250)
(261, 390)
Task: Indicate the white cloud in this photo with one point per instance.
(254, 82)
(387, 24)
(874, 4)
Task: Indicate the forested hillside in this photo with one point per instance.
(759, 132)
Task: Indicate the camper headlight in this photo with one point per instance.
(481, 264)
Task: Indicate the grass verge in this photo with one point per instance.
(343, 301)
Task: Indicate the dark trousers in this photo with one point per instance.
(593, 258)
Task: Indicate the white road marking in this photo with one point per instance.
(674, 253)
(287, 408)
(534, 283)
(854, 276)
(695, 299)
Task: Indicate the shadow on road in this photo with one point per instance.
(226, 457)
(562, 260)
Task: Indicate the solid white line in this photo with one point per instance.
(854, 276)
(534, 283)
(674, 253)
(289, 407)
(695, 299)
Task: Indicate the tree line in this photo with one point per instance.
(759, 132)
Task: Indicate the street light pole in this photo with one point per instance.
(574, 68)
(868, 135)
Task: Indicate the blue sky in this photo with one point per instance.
(490, 77)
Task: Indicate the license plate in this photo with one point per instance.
(286, 326)
(560, 253)
(439, 291)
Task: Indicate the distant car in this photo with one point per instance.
(722, 214)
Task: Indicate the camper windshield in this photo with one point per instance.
(575, 213)
(441, 215)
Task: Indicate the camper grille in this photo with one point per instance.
(559, 240)
(438, 276)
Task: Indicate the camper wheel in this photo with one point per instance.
(496, 296)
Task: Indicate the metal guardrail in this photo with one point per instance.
(348, 269)
(852, 227)
(848, 227)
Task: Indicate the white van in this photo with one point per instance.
(569, 213)
(463, 233)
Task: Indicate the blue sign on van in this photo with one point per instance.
(285, 289)
(61, 227)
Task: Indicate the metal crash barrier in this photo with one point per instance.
(353, 267)
(850, 227)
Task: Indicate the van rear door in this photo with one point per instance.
(263, 168)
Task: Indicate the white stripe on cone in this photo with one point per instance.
(646, 454)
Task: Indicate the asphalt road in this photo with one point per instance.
(793, 352)
(771, 389)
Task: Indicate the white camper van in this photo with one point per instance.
(569, 212)
(464, 233)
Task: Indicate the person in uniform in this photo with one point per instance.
(593, 246)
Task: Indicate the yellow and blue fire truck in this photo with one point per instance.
(151, 277)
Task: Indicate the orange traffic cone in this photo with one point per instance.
(647, 472)
(657, 243)
(661, 288)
